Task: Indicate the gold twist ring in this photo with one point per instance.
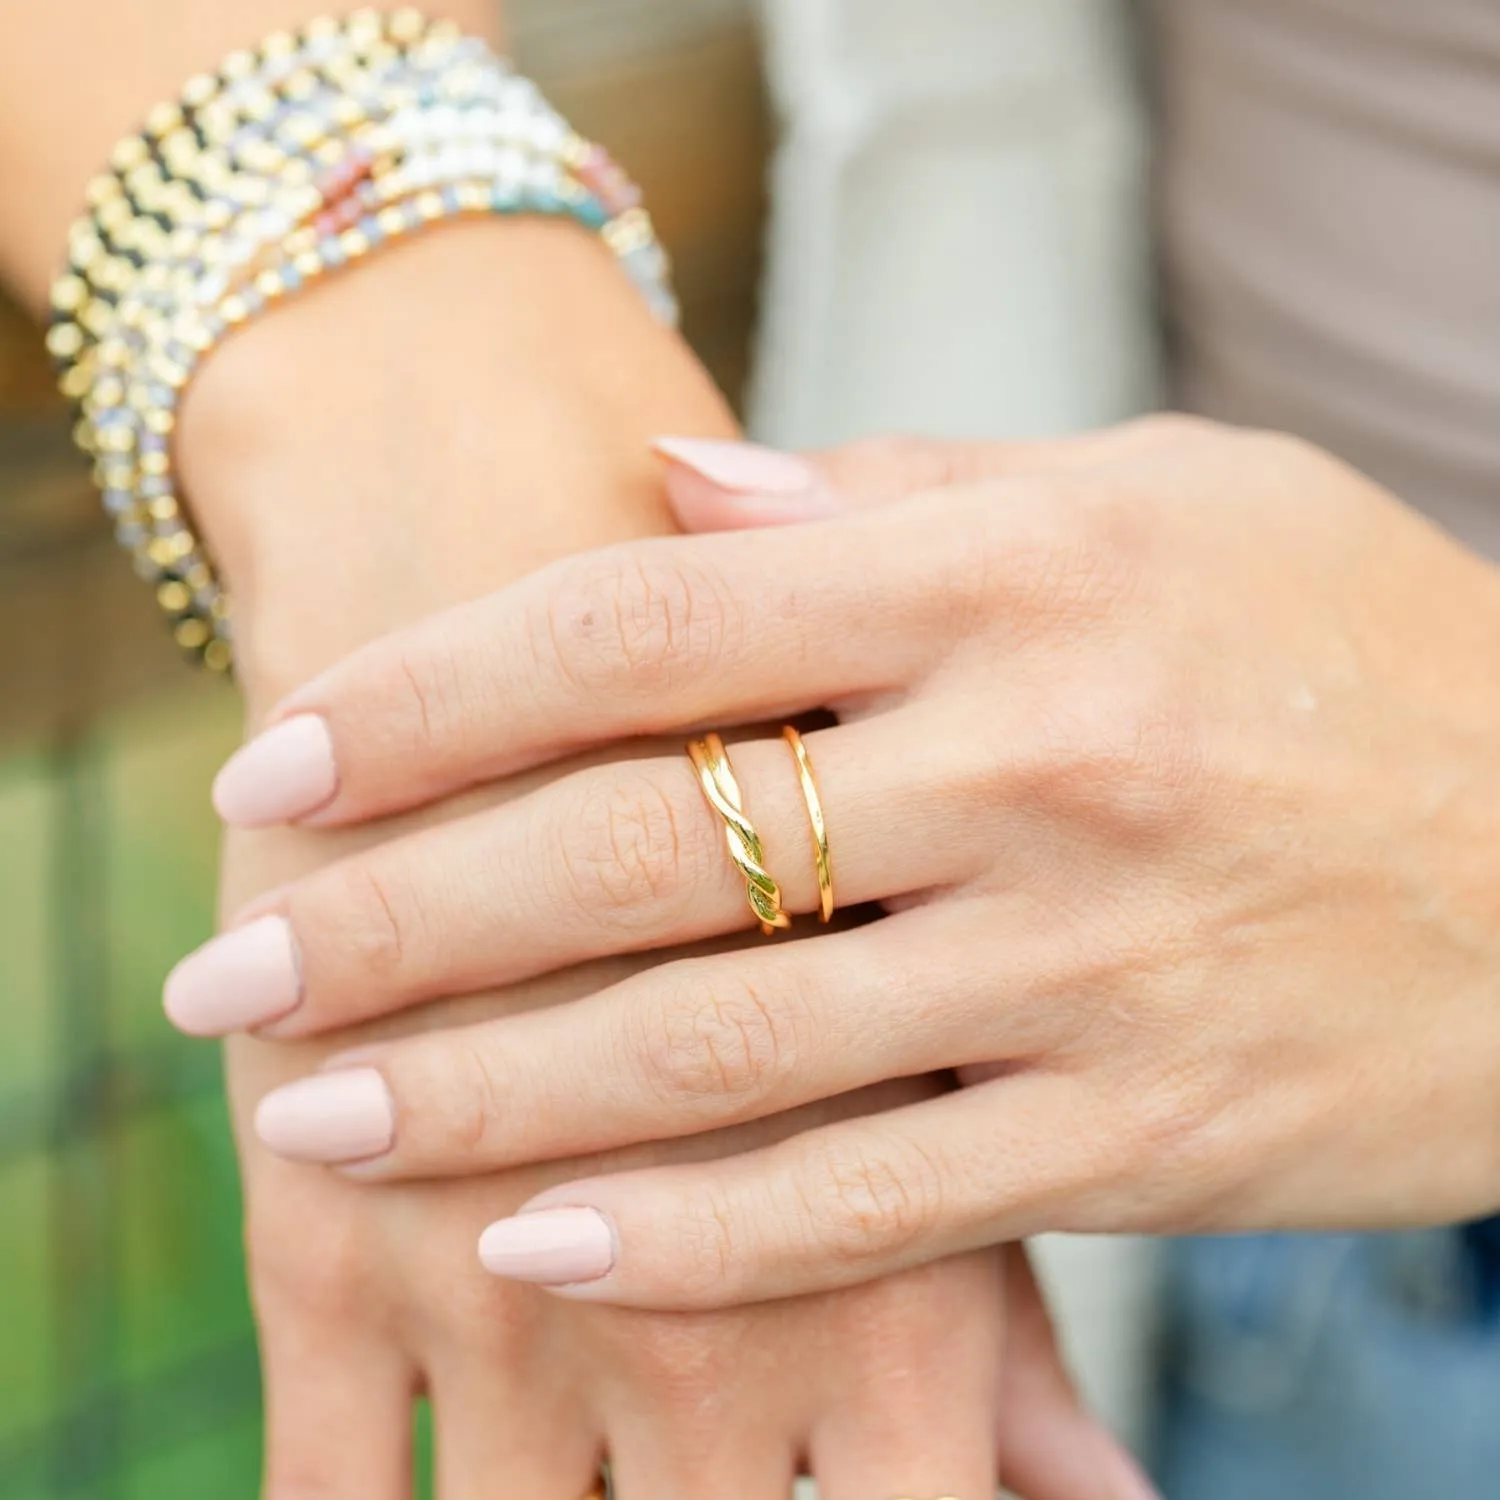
(716, 778)
(821, 857)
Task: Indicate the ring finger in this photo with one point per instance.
(621, 858)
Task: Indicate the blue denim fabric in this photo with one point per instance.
(1332, 1367)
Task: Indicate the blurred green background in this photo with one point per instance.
(127, 1364)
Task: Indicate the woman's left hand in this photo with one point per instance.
(1173, 753)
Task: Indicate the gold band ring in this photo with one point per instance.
(821, 857)
(716, 778)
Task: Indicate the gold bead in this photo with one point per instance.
(391, 220)
(101, 189)
(162, 508)
(109, 390)
(233, 310)
(64, 340)
(217, 120)
(197, 576)
(199, 89)
(307, 263)
(321, 29)
(300, 86)
(97, 318)
(192, 635)
(238, 65)
(406, 25)
(354, 243)
(69, 293)
(278, 44)
(216, 656)
(130, 152)
(270, 284)
(174, 597)
(161, 551)
(162, 118)
(154, 465)
(429, 205)
(74, 383)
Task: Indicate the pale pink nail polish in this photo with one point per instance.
(285, 773)
(241, 979)
(344, 1115)
(743, 468)
(553, 1247)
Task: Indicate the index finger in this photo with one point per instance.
(648, 637)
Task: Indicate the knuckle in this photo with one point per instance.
(448, 1092)
(1172, 426)
(431, 690)
(1126, 758)
(867, 1196)
(321, 1269)
(626, 852)
(727, 1045)
(685, 1363)
(364, 927)
(640, 617)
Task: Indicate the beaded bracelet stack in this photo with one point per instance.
(290, 161)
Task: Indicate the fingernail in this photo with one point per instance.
(339, 1116)
(552, 1247)
(285, 773)
(742, 468)
(243, 978)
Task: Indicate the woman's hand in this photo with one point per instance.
(1173, 752)
(396, 490)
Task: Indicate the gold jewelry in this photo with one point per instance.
(821, 857)
(711, 761)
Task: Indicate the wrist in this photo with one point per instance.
(425, 428)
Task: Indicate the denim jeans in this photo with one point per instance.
(1330, 1367)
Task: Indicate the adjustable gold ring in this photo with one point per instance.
(821, 857)
(716, 778)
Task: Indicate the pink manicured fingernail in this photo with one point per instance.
(243, 978)
(343, 1115)
(742, 468)
(553, 1246)
(285, 773)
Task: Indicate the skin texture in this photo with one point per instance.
(1181, 807)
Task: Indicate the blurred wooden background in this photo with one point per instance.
(673, 86)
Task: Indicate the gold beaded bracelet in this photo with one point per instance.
(290, 161)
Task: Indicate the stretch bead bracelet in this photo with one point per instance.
(291, 161)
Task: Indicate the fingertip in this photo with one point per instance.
(285, 773)
(558, 1248)
(717, 485)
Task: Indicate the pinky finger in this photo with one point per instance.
(836, 1206)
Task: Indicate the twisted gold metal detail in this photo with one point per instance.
(716, 778)
(821, 857)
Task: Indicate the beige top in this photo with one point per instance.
(1330, 196)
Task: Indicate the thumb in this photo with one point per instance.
(717, 485)
(1050, 1447)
